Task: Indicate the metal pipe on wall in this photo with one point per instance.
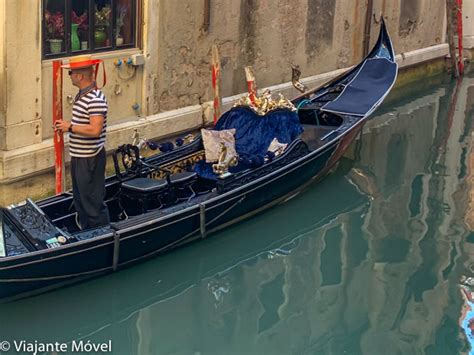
(368, 27)
(451, 11)
(207, 16)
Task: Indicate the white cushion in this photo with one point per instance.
(212, 140)
(277, 147)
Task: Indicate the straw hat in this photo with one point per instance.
(81, 61)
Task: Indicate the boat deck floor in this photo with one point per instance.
(312, 135)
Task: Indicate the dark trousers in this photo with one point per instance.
(88, 188)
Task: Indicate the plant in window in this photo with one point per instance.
(81, 22)
(121, 13)
(79, 28)
(102, 16)
(54, 25)
(102, 20)
(54, 30)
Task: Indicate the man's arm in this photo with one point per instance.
(93, 129)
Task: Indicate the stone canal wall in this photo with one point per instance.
(171, 92)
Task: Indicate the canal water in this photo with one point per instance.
(374, 259)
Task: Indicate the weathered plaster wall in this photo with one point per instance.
(3, 86)
(468, 25)
(2, 74)
(413, 24)
(21, 73)
(151, 51)
(319, 35)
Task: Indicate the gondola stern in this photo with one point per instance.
(383, 41)
(12, 239)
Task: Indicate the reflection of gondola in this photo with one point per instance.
(114, 300)
(167, 204)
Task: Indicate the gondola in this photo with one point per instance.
(173, 198)
(180, 272)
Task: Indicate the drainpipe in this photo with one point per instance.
(368, 26)
(460, 37)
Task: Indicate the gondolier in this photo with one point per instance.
(87, 130)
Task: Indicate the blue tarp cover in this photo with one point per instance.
(253, 136)
(254, 133)
(367, 88)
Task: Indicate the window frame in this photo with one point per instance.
(135, 10)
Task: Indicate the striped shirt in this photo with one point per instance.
(90, 104)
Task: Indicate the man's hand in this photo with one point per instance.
(93, 129)
(61, 125)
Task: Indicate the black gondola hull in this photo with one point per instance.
(25, 276)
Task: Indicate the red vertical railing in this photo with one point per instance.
(58, 135)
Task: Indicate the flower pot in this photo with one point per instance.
(84, 45)
(99, 37)
(55, 46)
(119, 41)
(75, 43)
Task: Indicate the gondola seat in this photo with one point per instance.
(145, 191)
(139, 192)
(144, 185)
(182, 185)
(155, 193)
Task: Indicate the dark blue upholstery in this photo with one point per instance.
(179, 178)
(204, 170)
(365, 91)
(144, 184)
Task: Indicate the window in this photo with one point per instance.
(72, 27)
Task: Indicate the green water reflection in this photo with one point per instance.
(365, 262)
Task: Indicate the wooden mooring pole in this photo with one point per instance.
(216, 83)
(251, 84)
(451, 11)
(460, 36)
(58, 135)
